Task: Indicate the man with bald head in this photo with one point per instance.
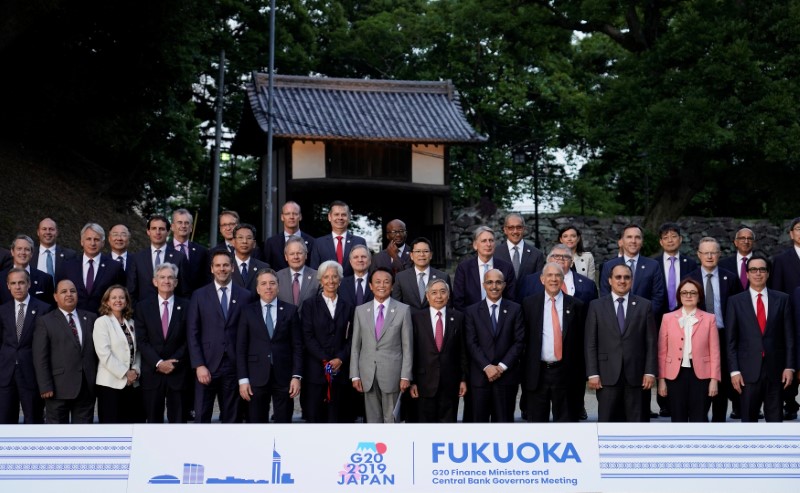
(48, 253)
(397, 255)
(291, 215)
(745, 242)
(516, 250)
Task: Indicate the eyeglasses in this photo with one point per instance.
(397, 232)
(708, 254)
(760, 270)
(514, 228)
(745, 238)
(227, 225)
(494, 283)
(621, 277)
(689, 293)
(670, 237)
(560, 257)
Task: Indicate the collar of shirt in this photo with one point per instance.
(427, 272)
(754, 294)
(239, 261)
(739, 258)
(385, 303)
(95, 258)
(559, 297)
(343, 235)
(628, 259)
(287, 234)
(177, 244)
(666, 257)
(43, 249)
(490, 303)
(714, 273)
(434, 311)
(124, 255)
(292, 272)
(27, 302)
(490, 263)
(153, 249)
(569, 280)
(615, 297)
(218, 286)
(170, 300)
(520, 246)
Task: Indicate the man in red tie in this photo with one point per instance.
(761, 344)
(337, 245)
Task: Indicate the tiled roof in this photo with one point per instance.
(360, 109)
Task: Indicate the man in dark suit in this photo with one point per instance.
(397, 255)
(119, 237)
(468, 282)
(64, 359)
(719, 284)
(621, 349)
(440, 358)
(274, 246)
(745, 242)
(48, 253)
(41, 284)
(521, 254)
(675, 266)
(5, 259)
(337, 245)
(553, 358)
(575, 284)
(355, 288)
(269, 348)
(245, 266)
(495, 338)
(648, 276)
(761, 344)
(160, 323)
(141, 264)
(198, 273)
(211, 326)
(410, 284)
(17, 377)
(298, 282)
(93, 272)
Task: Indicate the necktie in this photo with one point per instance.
(439, 335)
(185, 251)
(360, 291)
(339, 250)
(90, 276)
(564, 287)
(621, 315)
(632, 263)
(671, 285)
(268, 320)
(494, 319)
(515, 260)
(743, 273)
(121, 260)
(558, 347)
(223, 303)
(158, 259)
(485, 270)
(74, 328)
(244, 272)
(379, 322)
(761, 314)
(165, 319)
(20, 320)
(709, 294)
(421, 287)
(296, 288)
(49, 264)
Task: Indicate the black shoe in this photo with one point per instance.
(735, 415)
(653, 415)
(664, 413)
(524, 416)
(583, 415)
(760, 415)
(787, 416)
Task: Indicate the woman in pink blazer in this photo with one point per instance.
(688, 356)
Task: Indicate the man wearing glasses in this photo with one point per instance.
(521, 254)
(574, 284)
(744, 242)
(397, 255)
(761, 344)
(411, 284)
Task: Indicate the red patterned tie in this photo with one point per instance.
(439, 336)
(761, 314)
(339, 250)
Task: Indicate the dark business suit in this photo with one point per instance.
(785, 273)
(467, 282)
(274, 246)
(383, 259)
(325, 249)
(64, 367)
(6, 260)
(729, 285)
(347, 290)
(730, 264)
(438, 374)
(621, 359)
(253, 266)
(553, 383)
(648, 282)
(585, 288)
(17, 376)
(406, 287)
(494, 401)
(157, 387)
(108, 272)
(684, 266)
(61, 254)
(326, 338)
(761, 359)
(308, 286)
(531, 260)
(269, 362)
(139, 272)
(198, 266)
(212, 343)
(41, 286)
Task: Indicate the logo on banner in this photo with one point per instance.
(367, 466)
(195, 474)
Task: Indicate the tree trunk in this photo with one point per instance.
(671, 199)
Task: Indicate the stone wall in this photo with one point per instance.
(600, 235)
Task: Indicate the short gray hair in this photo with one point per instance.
(479, 230)
(329, 264)
(164, 266)
(295, 239)
(432, 282)
(24, 238)
(94, 227)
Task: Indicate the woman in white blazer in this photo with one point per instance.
(119, 398)
(582, 261)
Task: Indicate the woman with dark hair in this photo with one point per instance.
(689, 356)
(119, 398)
(582, 261)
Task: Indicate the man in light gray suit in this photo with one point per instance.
(298, 282)
(410, 284)
(382, 353)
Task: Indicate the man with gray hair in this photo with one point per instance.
(575, 284)
(355, 288)
(297, 280)
(197, 272)
(41, 284)
(468, 282)
(93, 272)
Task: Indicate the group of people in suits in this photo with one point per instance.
(172, 329)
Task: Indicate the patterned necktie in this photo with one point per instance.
(621, 315)
(421, 287)
(557, 338)
(268, 321)
(121, 260)
(296, 288)
(709, 294)
(761, 314)
(494, 319)
(339, 250)
(379, 323)
(74, 328)
(439, 335)
(223, 303)
(515, 260)
(185, 251)
(158, 259)
(672, 285)
(20, 320)
(165, 319)
(90, 276)
(359, 291)
(743, 273)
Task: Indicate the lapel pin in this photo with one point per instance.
(567, 312)
(633, 303)
(451, 319)
(179, 308)
(348, 241)
(392, 310)
(233, 301)
(725, 278)
(280, 308)
(505, 311)
(528, 251)
(102, 265)
(33, 312)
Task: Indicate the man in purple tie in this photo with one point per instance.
(745, 242)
